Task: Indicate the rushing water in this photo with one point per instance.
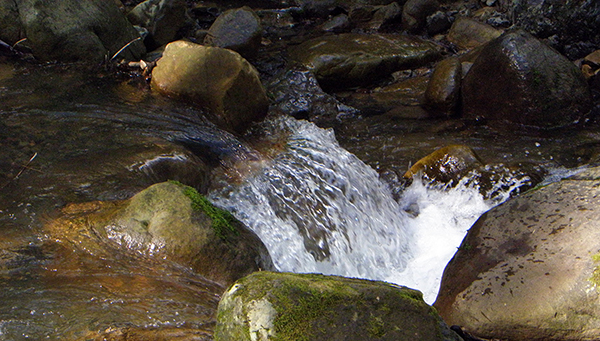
(318, 208)
(68, 138)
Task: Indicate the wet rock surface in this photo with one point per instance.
(238, 30)
(518, 79)
(349, 60)
(540, 248)
(272, 306)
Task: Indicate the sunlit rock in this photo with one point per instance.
(218, 79)
(468, 33)
(90, 31)
(170, 221)
(520, 80)
(443, 91)
(529, 269)
(164, 19)
(447, 164)
(238, 30)
(347, 60)
(283, 306)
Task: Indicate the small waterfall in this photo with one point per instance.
(318, 208)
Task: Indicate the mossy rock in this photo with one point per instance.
(285, 306)
(168, 221)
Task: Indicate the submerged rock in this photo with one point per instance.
(284, 306)
(238, 30)
(89, 31)
(520, 80)
(171, 221)
(529, 269)
(218, 79)
(347, 60)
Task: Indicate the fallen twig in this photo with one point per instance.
(25, 167)
(124, 47)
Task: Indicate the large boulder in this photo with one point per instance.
(169, 221)
(283, 306)
(519, 79)
(90, 31)
(238, 30)
(529, 269)
(569, 26)
(217, 79)
(164, 19)
(348, 60)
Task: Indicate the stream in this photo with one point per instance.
(319, 199)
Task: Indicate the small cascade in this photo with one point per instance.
(318, 208)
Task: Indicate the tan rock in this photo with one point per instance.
(217, 79)
(468, 33)
(447, 164)
(443, 91)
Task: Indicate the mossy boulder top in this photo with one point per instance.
(348, 60)
(284, 306)
(169, 221)
(219, 80)
(517, 79)
(529, 269)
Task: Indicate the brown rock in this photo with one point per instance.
(519, 80)
(447, 165)
(468, 33)
(443, 91)
(217, 79)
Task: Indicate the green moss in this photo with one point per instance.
(376, 327)
(595, 279)
(223, 222)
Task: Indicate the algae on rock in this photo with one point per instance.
(286, 306)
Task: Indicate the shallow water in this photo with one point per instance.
(68, 137)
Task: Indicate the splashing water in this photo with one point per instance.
(318, 208)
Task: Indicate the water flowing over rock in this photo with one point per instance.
(238, 30)
(529, 268)
(283, 306)
(520, 80)
(348, 60)
(164, 19)
(171, 221)
(91, 31)
(218, 79)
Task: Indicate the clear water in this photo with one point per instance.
(318, 208)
